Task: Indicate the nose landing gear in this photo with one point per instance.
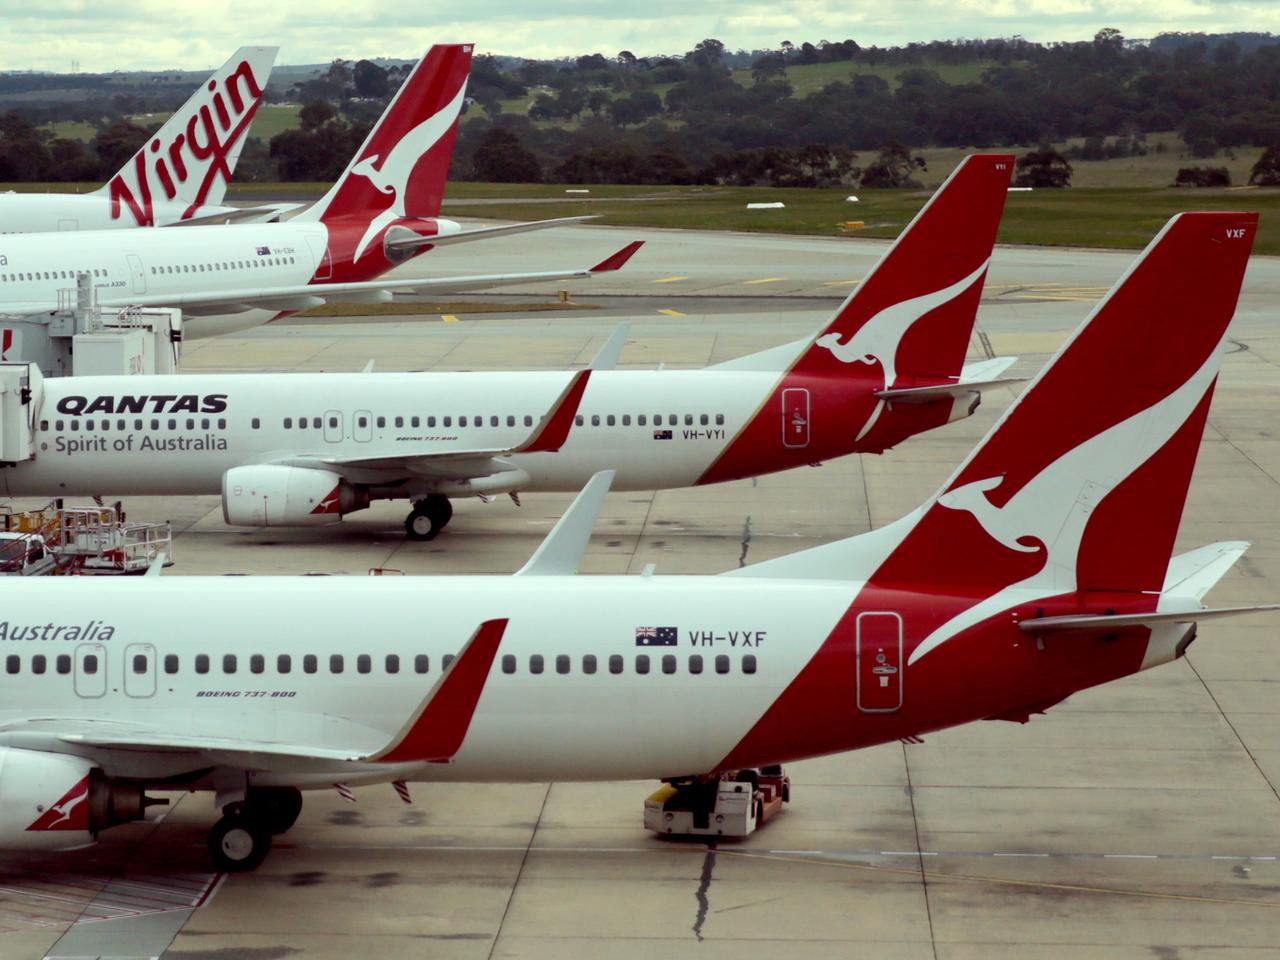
(429, 516)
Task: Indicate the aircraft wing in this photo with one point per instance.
(265, 213)
(433, 733)
(547, 436)
(412, 241)
(306, 296)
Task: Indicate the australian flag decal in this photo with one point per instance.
(662, 434)
(264, 251)
(656, 636)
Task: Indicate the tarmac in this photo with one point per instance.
(1140, 819)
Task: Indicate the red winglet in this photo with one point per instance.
(437, 728)
(619, 259)
(555, 428)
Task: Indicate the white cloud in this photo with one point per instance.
(150, 34)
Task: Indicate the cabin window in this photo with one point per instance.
(173, 424)
(447, 659)
(255, 423)
(191, 423)
(722, 663)
(335, 663)
(421, 663)
(695, 663)
(399, 422)
(668, 663)
(170, 663)
(528, 420)
(577, 419)
(431, 421)
(611, 420)
(615, 663)
(333, 423)
(139, 663)
(228, 663)
(222, 423)
(257, 663)
(595, 419)
(288, 423)
(38, 663)
(688, 419)
(462, 421)
(12, 663)
(719, 419)
(364, 663)
(64, 663)
(508, 663)
(414, 422)
(284, 663)
(493, 421)
(44, 425)
(382, 422)
(535, 663)
(704, 419)
(748, 663)
(626, 419)
(310, 664)
(122, 424)
(562, 663)
(642, 663)
(362, 421)
(589, 663)
(511, 421)
(392, 664)
(302, 423)
(642, 419)
(315, 423)
(202, 663)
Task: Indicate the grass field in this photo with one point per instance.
(810, 77)
(271, 119)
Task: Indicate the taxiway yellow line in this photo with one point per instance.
(448, 318)
(670, 279)
(671, 313)
(765, 280)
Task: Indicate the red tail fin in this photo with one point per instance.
(401, 169)
(1081, 485)
(913, 315)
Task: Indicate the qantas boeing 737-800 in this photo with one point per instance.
(1041, 567)
(383, 211)
(181, 173)
(303, 449)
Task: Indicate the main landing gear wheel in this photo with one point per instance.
(276, 807)
(238, 843)
(428, 517)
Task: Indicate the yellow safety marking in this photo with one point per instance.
(841, 283)
(448, 318)
(672, 313)
(766, 280)
(669, 279)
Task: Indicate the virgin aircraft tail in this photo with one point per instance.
(1081, 484)
(191, 158)
(401, 169)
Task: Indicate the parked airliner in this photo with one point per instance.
(382, 212)
(302, 449)
(179, 176)
(1041, 567)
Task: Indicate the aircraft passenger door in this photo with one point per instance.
(140, 670)
(362, 426)
(91, 670)
(795, 417)
(136, 271)
(333, 426)
(320, 254)
(879, 662)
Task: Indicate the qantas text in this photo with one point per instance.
(160, 403)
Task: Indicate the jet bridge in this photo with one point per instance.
(80, 338)
(21, 392)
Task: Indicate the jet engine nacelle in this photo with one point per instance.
(271, 496)
(53, 801)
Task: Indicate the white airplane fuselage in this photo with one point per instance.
(656, 428)
(172, 265)
(61, 212)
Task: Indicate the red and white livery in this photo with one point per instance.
(1041, 567)
(890, 364)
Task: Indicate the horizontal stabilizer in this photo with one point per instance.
(268, 213)
(1092, 622)
(560, 554)
(946, 391)
(1193, 574)
(415, 242)
(437, 728)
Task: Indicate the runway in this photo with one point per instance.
(1141, 819)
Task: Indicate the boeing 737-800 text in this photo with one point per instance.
(1043, 566)
(383, 211)
(302, 449)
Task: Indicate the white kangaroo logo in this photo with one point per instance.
(1054, 507)
(391, 178)
(878, 339)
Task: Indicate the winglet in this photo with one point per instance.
(560, 554)
(437, 728)
(619, 259)
(156, 566)
(607, 358)
(554, 430)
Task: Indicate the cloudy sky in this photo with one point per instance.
(159, 34)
